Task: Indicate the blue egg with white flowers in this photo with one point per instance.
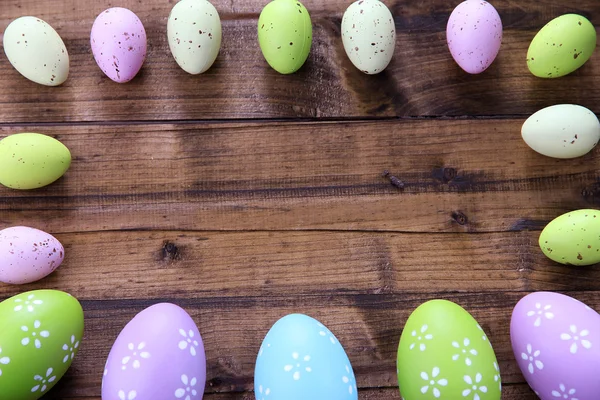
(301, 359)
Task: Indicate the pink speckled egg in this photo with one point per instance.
(28, 255)
(474, 35)
(118, 41)
(158, 355)
(556, 341)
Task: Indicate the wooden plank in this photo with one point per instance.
(509, 392)
(460, 176)
(421, 80)
(147, 265)
(368, 326)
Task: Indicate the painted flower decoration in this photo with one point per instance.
(70, 349)
(262, 391)
(540, 312)
(127, 396)
(3, 360)
(188, 341)
(28, 304)
(296, 366)
(420, 338)
(42, 382)
(137, 354)
(432, 383)
(34, 334)
(564, 393)
(576, 337)
(474, 386)
(532, 357)
(188, 390)
(497, 376)
(349, 380)
(464, 351)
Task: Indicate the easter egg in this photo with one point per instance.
(556, 342)
(573, 238)
(28, 254)
(301, 359)
(444, 353)
(158, 355)
(562, 46)
(369, 35)
(36, 50)
(118, 42)
(32, 160)
(194, 34)
(562, 131)
(285, 35)
(474, 35)
(40, 336)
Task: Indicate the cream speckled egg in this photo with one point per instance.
(369, 35)
(194, 33)
(35, 50)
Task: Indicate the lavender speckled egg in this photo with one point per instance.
(474, 35)
(556, 341)
(118, 42)
(28, 255)
(158, 355)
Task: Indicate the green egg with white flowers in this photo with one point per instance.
(445, 354)
(32, 160)
(562, 46)
(285, 35)
(40, 336)
(573, 238)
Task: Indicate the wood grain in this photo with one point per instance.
(460, 176)
(422, 79)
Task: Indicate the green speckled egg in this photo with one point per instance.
(573, 238)
(40, 336)
(285, 35)
(561, 47)
(444, 354)
(32, 160)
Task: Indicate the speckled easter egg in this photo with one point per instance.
(474, 35)
(32, 160)
(40, 336)
(158, 355)
(369, 35)
(285, 35)
(28, 254)
(573, 238)
(556, 342)
(118, 42)
(194, 33)
(562, 131)
(36, 50)
(301, 359)
(562, 46)
(444, 353)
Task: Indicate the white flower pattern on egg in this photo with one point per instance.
(3, 360)
(266, 392)
(188, 341)
(348, 379)
(420, 338)
(28, 304)
(532, 357)
(127, 396)
(42, 382)
(474, 387)
(323, 332)
(433, 383)
(497, 377)
(465, 350)
(137, 354)
(70, 349)
(188, 390)
(576, 337)
(296, 366)
(564, 393)
(540, 312)
(35, 334)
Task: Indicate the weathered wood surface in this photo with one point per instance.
(422, 79)
(296, 176)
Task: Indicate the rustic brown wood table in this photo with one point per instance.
(243, 195)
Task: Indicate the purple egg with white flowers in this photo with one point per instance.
(556, 341)
(158, 355)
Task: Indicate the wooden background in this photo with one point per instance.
(243, 195)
